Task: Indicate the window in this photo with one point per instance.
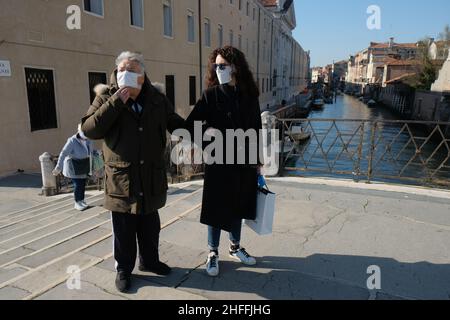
(240, 4)
(95, 78)
(94, 6)
(254, 14)
(170, 88)
(274, 78)
(191, 26)
(41, 99)
(248, 9)
(220, 37)
(262, 81)
(264, 51)
(192, 90)
(240, 42)
(168, 24)
(231, 37)
(207, 33)
(137, 13)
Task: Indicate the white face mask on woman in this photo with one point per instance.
(224, 75)
(128, 79)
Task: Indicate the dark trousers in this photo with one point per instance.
(129, 227)
(79, 189)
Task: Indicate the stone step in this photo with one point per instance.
(48, 243)
(41, 257)
(84, 241)
(24, 217)
(174, 193)
(35, 246)
(45, 231)
(37, 281)
(36, 234)
(37, 207)
(39, 222)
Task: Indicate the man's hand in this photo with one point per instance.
(124, 94)
(56, 172)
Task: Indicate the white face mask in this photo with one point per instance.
(224, 76)
(128, 79)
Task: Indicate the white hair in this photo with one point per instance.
(131, 56)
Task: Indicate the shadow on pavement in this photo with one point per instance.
(318, 277)
(21, 180)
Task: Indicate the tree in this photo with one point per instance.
(428, 74)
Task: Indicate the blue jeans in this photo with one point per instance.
(234, 235)
(79, 189)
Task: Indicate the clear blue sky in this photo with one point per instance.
(334, 29)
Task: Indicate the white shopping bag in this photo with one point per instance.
(265, 210)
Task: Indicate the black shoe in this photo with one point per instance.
(123, 281)
(160, 269)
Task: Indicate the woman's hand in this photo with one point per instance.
(56, 172)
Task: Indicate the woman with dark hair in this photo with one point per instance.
(230, 102)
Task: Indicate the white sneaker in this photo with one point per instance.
(84, 203)
(243, 256)
(79, 206)
(212, 265)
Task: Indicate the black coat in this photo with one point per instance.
(229, 190)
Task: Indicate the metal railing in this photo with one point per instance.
(408, 152)
(94, 182)
(416, 152)
(182, 172)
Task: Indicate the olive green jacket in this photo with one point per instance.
(133, 147)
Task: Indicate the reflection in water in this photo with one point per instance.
(345, 148)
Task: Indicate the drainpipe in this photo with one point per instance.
(200, 51)
(271, 56)
(258, 45)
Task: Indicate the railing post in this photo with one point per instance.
(49, 185)
(360, 147)
(372, 151)
(281, 170)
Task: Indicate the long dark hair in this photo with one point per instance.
(243, 75)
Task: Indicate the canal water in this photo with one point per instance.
(345, 148)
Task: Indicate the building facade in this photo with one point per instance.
(367, 66)
(442, 83)
(439, 50)
(48, 70)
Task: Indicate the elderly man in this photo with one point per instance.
(131, 117)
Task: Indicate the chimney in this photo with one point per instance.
(391, 42)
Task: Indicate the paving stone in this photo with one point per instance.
(71, 225)
(141, 289)
(63, 248)
(53, 274)
(6, 274)
(63, 234)
(10, 293)
(100, 249)
(14, 254)
(88, 291)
